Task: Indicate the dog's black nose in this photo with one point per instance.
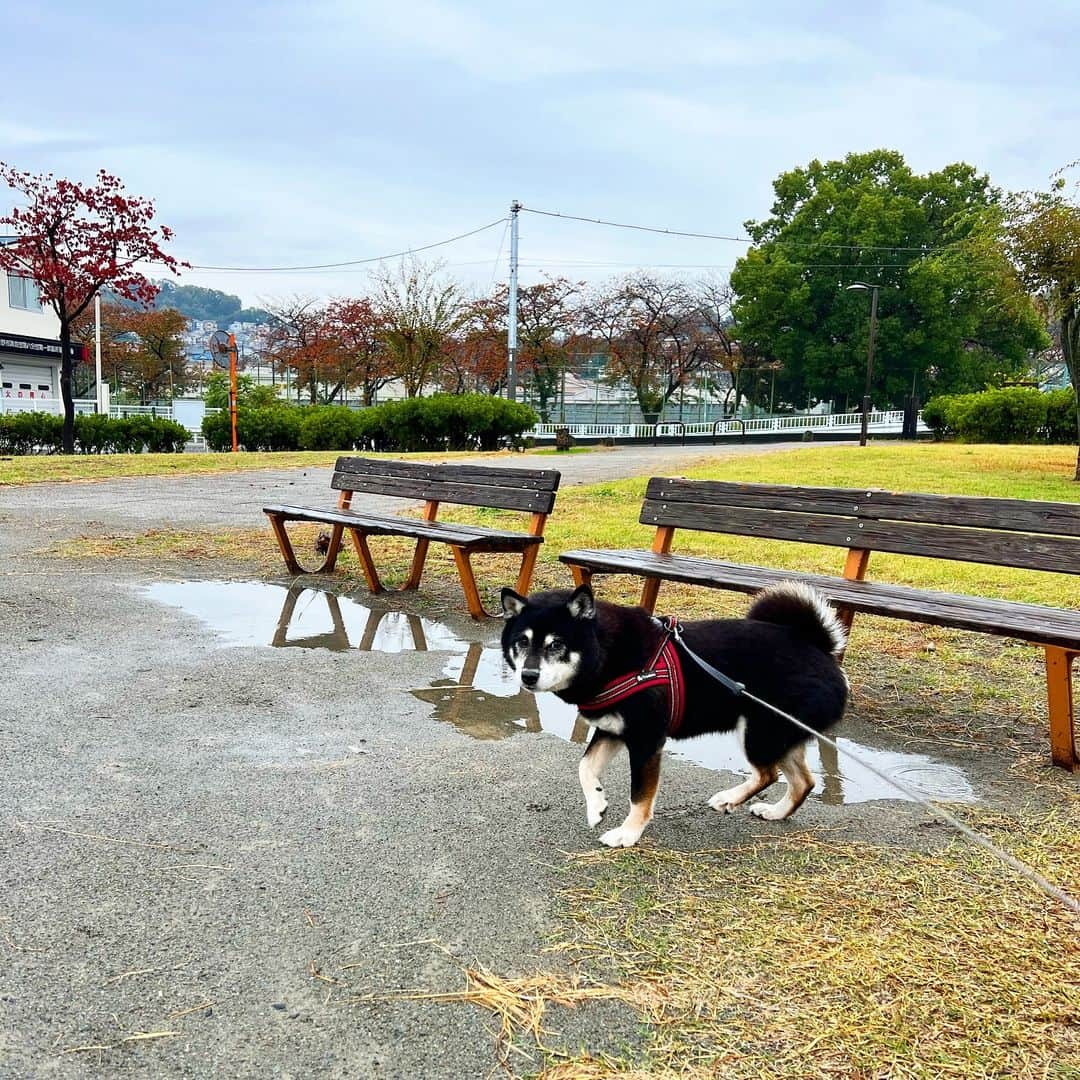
(530, 676)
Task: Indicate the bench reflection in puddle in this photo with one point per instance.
(478, 695)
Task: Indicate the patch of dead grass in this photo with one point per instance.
(803, 957)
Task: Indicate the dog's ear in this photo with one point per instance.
(581, 603)
(512, 604)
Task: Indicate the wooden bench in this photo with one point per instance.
(1000, 532)
(528, 490)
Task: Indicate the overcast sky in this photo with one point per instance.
(296, 133)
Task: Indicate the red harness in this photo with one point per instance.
(664, 671)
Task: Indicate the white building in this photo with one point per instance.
(29, 348)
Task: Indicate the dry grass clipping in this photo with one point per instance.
(519, 1005)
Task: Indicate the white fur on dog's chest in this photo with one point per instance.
(611, 722)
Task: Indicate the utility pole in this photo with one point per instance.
(97, 350)
(873, 290)
(512, 327)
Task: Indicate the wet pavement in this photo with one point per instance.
(478, 694)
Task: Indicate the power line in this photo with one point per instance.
(350, 262)
(718, 236)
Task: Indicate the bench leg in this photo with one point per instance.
(661, 545)
(528, 564)
(649, 593)
(285, 544)
(1059, 697)
(468, 584)
(363, 553)
(416, 571)
(582, 576)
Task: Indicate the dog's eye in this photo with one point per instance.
(554, 646)
(522, 644)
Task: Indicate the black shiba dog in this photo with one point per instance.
(637, 687)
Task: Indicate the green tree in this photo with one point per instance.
(249, 393)
(953, 314)
(1044, 237)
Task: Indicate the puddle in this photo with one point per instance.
(479, 696)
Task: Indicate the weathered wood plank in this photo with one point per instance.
(1062, 519)
(1024, 550)
(535, 479)
(471, 536)
(1032, 622)
(468, 494)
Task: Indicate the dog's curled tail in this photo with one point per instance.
(805, 610)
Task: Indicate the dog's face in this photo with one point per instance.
(547, 637)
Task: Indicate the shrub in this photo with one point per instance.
(441, 422)
(934, 415)
(95, 433)
(330, 427)
(276, 427)
(445, 422)
(31, 433)
(1061, 416)
(217, 430)
(166, 436)
(1010, 415)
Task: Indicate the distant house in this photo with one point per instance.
(29, 348)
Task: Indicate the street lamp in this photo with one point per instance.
(869, 357)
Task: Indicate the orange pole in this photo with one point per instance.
(232, 390)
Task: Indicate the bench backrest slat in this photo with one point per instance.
(1032, 535)
(531, 490)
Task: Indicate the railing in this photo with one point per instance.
(82, 406)
(884, 422)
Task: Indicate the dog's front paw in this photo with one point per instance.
(621, 837)
(595, 814)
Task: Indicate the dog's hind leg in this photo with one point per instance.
(598, 753)
(725, 801)
(644, 780)
(800, 782)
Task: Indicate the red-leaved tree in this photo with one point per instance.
(74, 240)
(357, 332)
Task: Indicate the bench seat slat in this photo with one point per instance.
(1024, 550)
(1005, 618)
(508, 496)
(472, 537)
(1062, 519)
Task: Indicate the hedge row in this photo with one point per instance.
(95, 433)
(1011, 415)
(441, 422)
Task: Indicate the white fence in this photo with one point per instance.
(890, 422)
(82, 405)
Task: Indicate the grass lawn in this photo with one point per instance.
(802, 954)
